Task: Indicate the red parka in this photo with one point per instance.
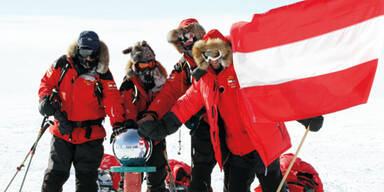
(78, 95)
(221, 96)
(135, 98)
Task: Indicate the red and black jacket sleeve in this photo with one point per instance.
(51, 77)
(175, 86)
(189, 104)
(112, 100)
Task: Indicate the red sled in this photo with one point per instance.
(181, 173)
(108, 181)
(302, 177)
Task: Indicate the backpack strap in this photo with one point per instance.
(64, 64)
(128, 85)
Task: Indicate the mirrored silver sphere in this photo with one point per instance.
(130, 149)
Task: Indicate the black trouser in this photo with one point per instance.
(156, 180)
(240, 171)
(85, 157)
(203, 159)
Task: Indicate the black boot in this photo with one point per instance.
(54, 180)
(86, 181)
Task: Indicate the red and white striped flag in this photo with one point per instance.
(309, 58)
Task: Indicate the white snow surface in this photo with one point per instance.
(347, 152)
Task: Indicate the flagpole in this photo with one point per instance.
(293, 160)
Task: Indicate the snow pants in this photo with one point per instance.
(85, 157)
(203, 159)
(156, 180)
(240, 172)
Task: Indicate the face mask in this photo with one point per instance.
(88, 58)
(146, 77)
(187, 40)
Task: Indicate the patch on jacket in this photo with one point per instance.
(231, 81)
(111, 85)
(172, 77)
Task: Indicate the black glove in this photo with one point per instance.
(65, 126)
(315, 123)
(120, 127)
(48, 107)
(158, 129)
(192, 123)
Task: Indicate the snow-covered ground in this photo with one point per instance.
(347, 152)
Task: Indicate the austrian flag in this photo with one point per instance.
(309, 58)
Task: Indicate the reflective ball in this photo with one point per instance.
(130, 149)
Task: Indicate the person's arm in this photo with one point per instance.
(112, 100)
(184, 108)
(51, 78)
(175, 86)
(48, 105)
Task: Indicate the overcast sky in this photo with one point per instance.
(35, 33)
(138, 9)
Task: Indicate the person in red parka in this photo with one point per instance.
(202, 155)
(244, 148)
(144, 79)
(86, 93)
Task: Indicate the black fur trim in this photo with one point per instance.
(198, 73)
(106, 76)
(126, 85)
(60, 62)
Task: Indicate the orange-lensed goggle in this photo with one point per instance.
(150, 64)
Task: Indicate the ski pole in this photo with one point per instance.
(294, 159)
(172, 187)
(33, 152)
(179, 151)
(45, 124)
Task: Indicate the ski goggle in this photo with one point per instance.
(150, 64)
(211, 55)
(85, 52)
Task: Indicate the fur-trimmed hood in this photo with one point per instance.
(212, 44)
(102, 66)
(173, 35)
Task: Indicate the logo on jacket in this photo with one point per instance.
(172, 77)
(111, 85)
(231, 81)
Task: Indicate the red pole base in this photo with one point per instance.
(132, 182)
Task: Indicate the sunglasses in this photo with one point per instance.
(85, 52)
(211, 55)
(149, 64)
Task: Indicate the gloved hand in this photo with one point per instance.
(65, 126)
(120, 127)
(48, 107)
(192, 123)
(157, 130)
(315, 123)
